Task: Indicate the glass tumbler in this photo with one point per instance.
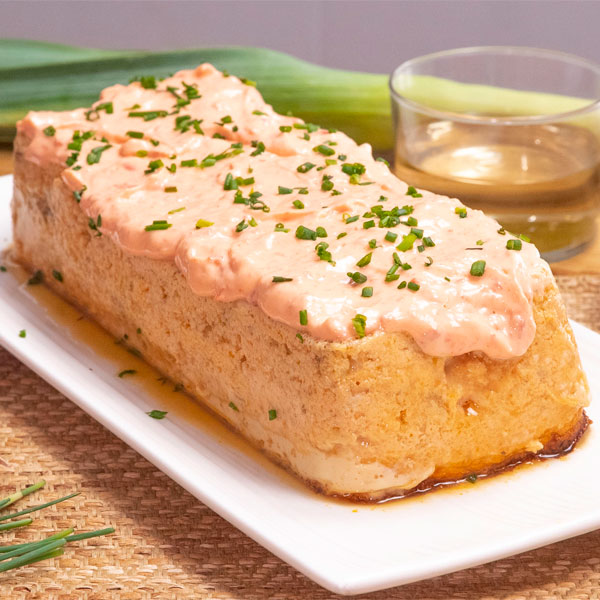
(512, 131)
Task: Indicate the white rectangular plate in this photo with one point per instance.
(346, 548)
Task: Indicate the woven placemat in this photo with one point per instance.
(169, 545)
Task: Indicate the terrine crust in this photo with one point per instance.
(367, 419)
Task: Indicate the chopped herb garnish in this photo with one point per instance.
(94, 113)
(323, 253)
(357, 277)
(299, 336)
(341, 235)
(324, 150)
(148, 82)
(22, 333)
(305, 167)
(94, 156)
(149, 115)
(501, 231)
(368, 224)
(202, 223)
(284, 190)
(390, 236)
(49, 131)
(321, 232)
(171, 189)
(94, 225)
(176, 210)
(192, 162)
(514, 244)
(127, 372)
(351, 219)
(260, 148)
(57, 275)
(326, 183)
(360, 323)
(304, 233)
(428, 242)
(480, 242)
(154, 165)
(234, 407)
(248, 82)
(365, 260)
(373, 243)
(279, 279)
(471, 478)
(281, 228)
(367, 292)
(272, 414)
(310, 127)
(158, 225)
(135, 134)
(298, 204)
(141, 153)
(414, 287)
(428, 261)
(3, 269)
(461, 211)
(478, 268)
(259, 113)
(412, 191)
(524, 238)
(383, 160)
(402, 285)
(303, 317)
(77, 193)
(157, 414)
(407, 242)
(36, 278)
(285, 128)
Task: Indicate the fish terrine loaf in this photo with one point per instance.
(372, 338)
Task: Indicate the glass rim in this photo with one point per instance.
(500, 120)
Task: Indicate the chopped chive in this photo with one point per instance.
(158, 225)
(49, 131)
(514, 244)
(402, 285)
(352, 219)
(478, 268)
(305, 167)
(279, 279)
(95, 154)
(234, 407)
(201, 223)
(480, 242)
(281, 228)
(272, 414)
(367, 292)
(303, 317)
(157, 414)
(141, 153)
(260, 148)
(321, 232)
(299, 336)
(176, 210)
(22, 333)
(154, 165)
(524, 238)
(428, 261)
(428, 242)
(407, 242)
(373, 243)
(341, 235)
(360, 323)
(127, 372)
(284, 190)
(417, 232)
(259, 113)
(324, 150)
(365, 260)
(390, 236)
(368, 224)
(461, 211)
(357, 276)
(285, 128)
(135, 134)
(412, 191)
(304, 233)
(192, 162)
(298, 204)
(36, 278)
(413, 286)
(57, 275)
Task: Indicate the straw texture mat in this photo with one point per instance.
(169, 545)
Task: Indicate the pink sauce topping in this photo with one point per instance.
(290, 217)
